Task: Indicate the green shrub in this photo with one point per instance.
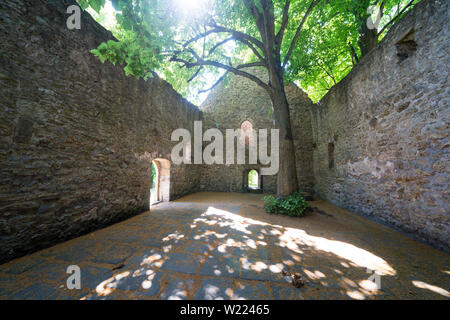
(294, 205)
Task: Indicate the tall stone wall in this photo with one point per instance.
(77, 137)
(240, 99)
(388, 122)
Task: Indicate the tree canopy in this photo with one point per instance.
(171, 37)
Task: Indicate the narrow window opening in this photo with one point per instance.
(331, 155)
(247, 136)
(407, 46)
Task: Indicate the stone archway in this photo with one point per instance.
(161, 189)
(254, 186)
(253, 180)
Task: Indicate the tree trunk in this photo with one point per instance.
(368, 39)
(287, 176)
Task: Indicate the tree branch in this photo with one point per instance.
(228, 68)
(236, 34)
(269, 21)
(396, 17)
(328, 73)
(269, 29)
(297, 33)
(248, 44)
(256, 52)
(199, 36)
(247, 40)
(257, 16)
(219, 44)
(353, 54)
(284, 24)
(195, 74)
(215, 84)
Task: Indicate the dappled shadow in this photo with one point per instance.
(219, 249)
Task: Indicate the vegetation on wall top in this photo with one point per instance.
(334, 38)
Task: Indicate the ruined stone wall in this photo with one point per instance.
(239, 99)
(77, 137)
(389, 123)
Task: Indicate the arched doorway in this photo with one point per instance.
(253, 180)
(160, 181)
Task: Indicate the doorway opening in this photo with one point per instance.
(160, 181)
(154, 185)
(253, 180)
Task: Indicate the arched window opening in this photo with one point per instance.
(247, 134)
(253, 180)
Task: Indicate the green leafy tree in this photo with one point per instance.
(337, 37)
(301, 40)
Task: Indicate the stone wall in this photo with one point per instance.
(77, 137)
(389, 123)
(239, 99)
(377, 143)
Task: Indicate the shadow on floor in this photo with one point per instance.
(224, 246)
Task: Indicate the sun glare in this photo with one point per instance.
(191, 7)
(106, 17)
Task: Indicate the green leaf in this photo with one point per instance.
(148, 30)
(97, 4)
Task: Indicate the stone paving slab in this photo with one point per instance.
(248, 290)
(224, 246)
(36, 291)
(92, 276)
(218, 266)
(214, 289)
(177, 288)
(182, 263)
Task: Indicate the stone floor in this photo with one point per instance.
(224, 246)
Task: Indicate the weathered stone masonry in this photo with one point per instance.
(240, 99)
(377, 143)
(389, 123)
(77, 137)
